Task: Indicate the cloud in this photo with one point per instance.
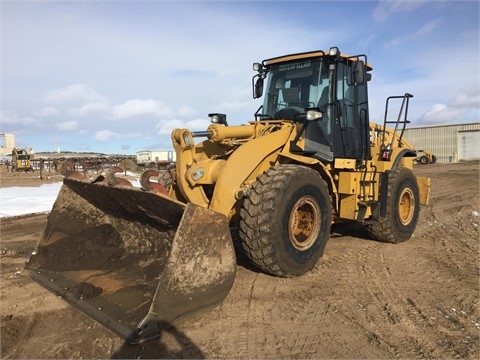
(67, 126)
(75, 93)
(12, 118)
(90, 108)
(468, 98)
(424, 30)
(47, 111)
(239, 98)
(192, 73)
(138, 107)
(387, 8)
(235, 104)
(186, 111)
(197, 124)
(457, 110)
(105, 135)
(441, 114)
(165, 127)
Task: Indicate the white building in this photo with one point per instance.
(156, 156)
(7, 143)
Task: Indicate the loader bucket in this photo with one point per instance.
(134, 261)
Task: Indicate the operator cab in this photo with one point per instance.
(327, 93)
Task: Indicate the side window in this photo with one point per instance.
(321, 96)
(345, 95)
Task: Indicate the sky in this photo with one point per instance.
(117, 77)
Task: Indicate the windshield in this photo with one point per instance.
(294, 86)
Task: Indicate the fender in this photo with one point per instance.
(401, 155)
(383, 187)
(324, 172)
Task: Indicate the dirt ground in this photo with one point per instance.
(364, 299)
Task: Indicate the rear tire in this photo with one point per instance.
(403, 209)
(285, 220)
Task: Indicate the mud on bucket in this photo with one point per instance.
(132, 260)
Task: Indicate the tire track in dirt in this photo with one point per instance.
(371, 299)
(453, 234)
(301, 318)
(450, 230)
(461, 225)
(285, 320)
(235, 309)
(400, 314)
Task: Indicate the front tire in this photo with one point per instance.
(285, 220)
(403, 209)
(424, 160)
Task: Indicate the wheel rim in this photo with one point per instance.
(304, 223)
(406, 206)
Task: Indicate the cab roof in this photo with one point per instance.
(307, 55)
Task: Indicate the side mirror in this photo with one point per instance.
(359, 72)
(313, 114)
(257, 86)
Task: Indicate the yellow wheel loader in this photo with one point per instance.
(139, 259)
(425, 157)
(21, 160)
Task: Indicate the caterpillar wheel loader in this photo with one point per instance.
(21, 160)
(425, 157)
(139, 259)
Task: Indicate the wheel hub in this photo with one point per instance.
(406, 206)
(304, 223)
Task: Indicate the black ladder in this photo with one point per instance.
(400, 124)
(366, 199)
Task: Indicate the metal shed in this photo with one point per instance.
(449, 143)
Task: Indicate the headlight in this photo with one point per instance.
(334, 51)
(217, 118)
(257, 67)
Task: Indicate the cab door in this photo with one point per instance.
(351, 123)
